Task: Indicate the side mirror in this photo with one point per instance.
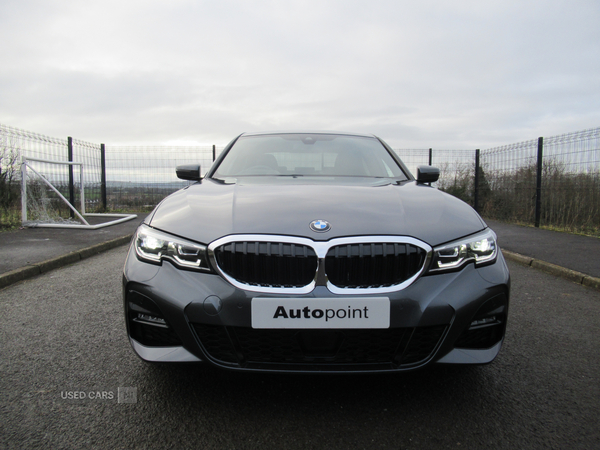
(427, 174)
(189, 172)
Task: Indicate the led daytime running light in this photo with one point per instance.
(154, 246)
(481, 249)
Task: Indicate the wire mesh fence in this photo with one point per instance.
(10, 194)
(457, 169)
(564, 182)
(89, 155)
(140, 177)
(17, 145)
(457, 173)
(507, 182)
(42, 203)
(571, 181)
(29, 144)
(563, 191)
(412, 158)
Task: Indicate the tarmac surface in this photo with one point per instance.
(66, 360)
(575, 252)
(27, 252)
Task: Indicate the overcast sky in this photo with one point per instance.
(456, 74)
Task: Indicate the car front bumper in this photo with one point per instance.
(175, 315)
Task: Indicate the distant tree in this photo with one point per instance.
(457, 179)
(9, 171)
(484, 188)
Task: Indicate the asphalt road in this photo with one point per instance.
(63, 338)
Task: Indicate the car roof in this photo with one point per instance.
(340, 133)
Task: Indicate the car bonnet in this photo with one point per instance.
(209, 210)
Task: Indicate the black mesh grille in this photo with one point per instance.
(316, 349)
(481, 337)
(270, 264)
(287, 265)
(153, 336)
(217, 343)
(422, 342)
(373, 265)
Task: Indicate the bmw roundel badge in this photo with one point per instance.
(320, 226)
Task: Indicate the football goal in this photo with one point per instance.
(44, 205)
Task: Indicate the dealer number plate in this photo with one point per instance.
(352, 312)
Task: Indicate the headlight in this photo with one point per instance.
(154, 246)
(480, 248)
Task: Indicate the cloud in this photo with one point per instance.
(424, 74)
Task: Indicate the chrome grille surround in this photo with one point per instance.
(320, 248)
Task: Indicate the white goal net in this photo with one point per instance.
(45, 190)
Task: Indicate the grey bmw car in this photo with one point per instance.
(314, 252)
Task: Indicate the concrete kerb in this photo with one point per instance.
(553, 269)
(23, 273)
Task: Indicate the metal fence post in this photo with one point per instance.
(23, 191)
(430, 157)
(214, 153)
(103, 175)
(71, 183)
(476, 183)
(538, 189)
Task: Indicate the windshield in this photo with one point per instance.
(326, 155)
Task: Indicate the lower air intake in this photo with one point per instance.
(317, 350)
